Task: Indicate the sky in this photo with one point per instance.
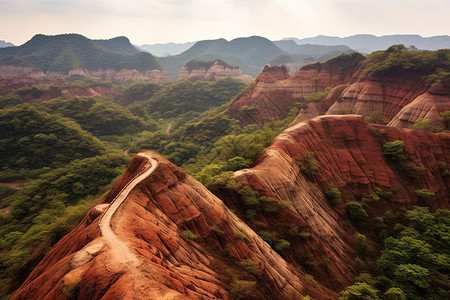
(162, 21)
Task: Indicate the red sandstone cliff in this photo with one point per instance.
(157, 261)
(427, 107)
(212, 71)
(348, 153)
(274, 91)
(56, 87)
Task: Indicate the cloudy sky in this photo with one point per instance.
(161, 21)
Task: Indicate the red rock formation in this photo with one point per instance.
(56, 87)
(386, 95)
(165, 265)
(348, 152)
(274, 92)
(427, 107)
(217, 70)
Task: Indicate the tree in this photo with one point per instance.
(359, 290)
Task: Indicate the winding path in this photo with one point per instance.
(118, 247)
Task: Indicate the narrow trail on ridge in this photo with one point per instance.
(119, 249)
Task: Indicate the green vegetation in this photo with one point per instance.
(177, 98)
(240, 235)
(376, 117)
(31, 139)
(308, 163)
(432, 66)
(63, 53)
(425, 125)
(355, 212)
(99, 116)
(394, 150)
(318, 96)
(424, 196)
(189, 235)
(333, 194)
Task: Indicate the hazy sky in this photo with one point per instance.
(160, 21)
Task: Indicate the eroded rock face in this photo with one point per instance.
(119, 76)
(215, 72)
(162, 263)
(56, 87)
(427, 107)
(387, 96)
(274, 91)
(348, 154)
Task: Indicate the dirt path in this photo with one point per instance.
(119, 249)
(15, 185)
(169, 127)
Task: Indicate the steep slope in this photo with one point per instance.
(427, 107)
(211, 71)
(347, 152)
(170, 238)
(76, 55)
(250, 54)
(274, 91)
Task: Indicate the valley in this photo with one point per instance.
(323, 184)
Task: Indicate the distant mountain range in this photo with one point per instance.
(250, 53)
(75, 55)
(4, 44)
(166, 49)
(368, 43)
(62, 53)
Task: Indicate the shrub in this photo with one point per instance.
(395, 294)
(250, 266)
(359, 290)
(424, 196)
(189, 235)
(217, 230)
(267, 236)
(333, 194)
(240, 235)
(376, 117)
(308, 163)
(355, 212)
(394, 150)
(243, 288)
(282, 244)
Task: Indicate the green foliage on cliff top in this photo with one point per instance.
(397, 59)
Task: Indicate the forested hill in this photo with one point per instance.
(62, 53)
(250, 53)
(120, 44)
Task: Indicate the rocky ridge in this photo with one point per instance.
(171, 264)
(187, 244)
(56, 87)
(211, 71)
(274, 91)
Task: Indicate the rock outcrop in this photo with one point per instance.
(274, 91)
(53, 88)
(173, 239)
(347, 152)
(161, 259)
(385, 95)
(426, 107)
(211, 71)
